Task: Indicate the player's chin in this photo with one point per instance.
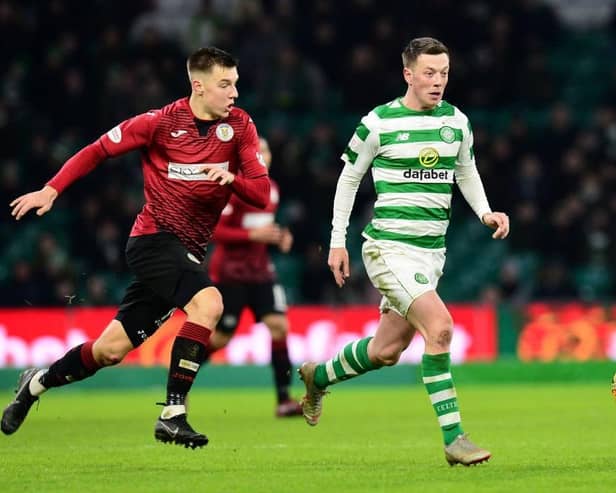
(435, 98)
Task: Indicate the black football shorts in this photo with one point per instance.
(262, 298)
(167, 276)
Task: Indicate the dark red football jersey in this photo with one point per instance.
(179, 197)
(237, 259)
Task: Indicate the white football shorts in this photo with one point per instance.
(400, 272)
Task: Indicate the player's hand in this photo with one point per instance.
(222, 176)
(269, 233)
(286, 241)
(41, 200)
(338, 262)
(498, 221)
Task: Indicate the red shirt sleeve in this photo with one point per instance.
(225, 232)
(129, 135)
(253, 185)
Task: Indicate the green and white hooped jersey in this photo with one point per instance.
(414, 156)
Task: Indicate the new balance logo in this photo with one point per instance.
(178, 133)
(402, 137)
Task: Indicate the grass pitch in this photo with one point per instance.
(556, 438)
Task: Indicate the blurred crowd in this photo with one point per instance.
(540, 94)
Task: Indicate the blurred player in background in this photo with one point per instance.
(414, 146)
(196, 152)
(243, 272)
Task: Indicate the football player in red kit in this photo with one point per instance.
(244, 274)
(196, 153)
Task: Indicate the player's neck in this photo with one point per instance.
(199, 110)
(412, 103)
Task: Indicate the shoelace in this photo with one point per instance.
(315, 400)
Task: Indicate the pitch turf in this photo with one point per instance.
(556, 438)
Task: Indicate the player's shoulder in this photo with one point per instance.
(178, 106)
(238, 116)
(373, 118)
(383, 112)
(171, 112)
(445, 108)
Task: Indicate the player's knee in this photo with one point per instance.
(277, 325)
(442, 334)
(219, 340)
(206, 307)
(387, 356)
(109, 356)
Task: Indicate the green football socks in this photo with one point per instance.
(439, 384)
(350, 362)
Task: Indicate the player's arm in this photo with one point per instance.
(252, 185)
(128, 135)
(226, 232)
(270, 234)
(286, 240)
(471, 186)
(357, 158)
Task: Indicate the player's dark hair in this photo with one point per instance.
(205, 58)
(421, 46)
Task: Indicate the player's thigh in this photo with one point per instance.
(112, 344)
(162, 263)
(393, 334)
(142, 312)
(235, 298)
(401, 273)
(431, 317)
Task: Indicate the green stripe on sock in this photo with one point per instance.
(438, 386)
(362, 355)
(320, 376)
(348, 355)
(339, 369)
(445, 407)
(360, 364)
(433, 365)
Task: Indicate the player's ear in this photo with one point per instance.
(408, 75)
(197, 86)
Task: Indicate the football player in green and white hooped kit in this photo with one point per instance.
(415, 146)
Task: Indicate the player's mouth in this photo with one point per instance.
(435, 95)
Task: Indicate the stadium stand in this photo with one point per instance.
(539, 92)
